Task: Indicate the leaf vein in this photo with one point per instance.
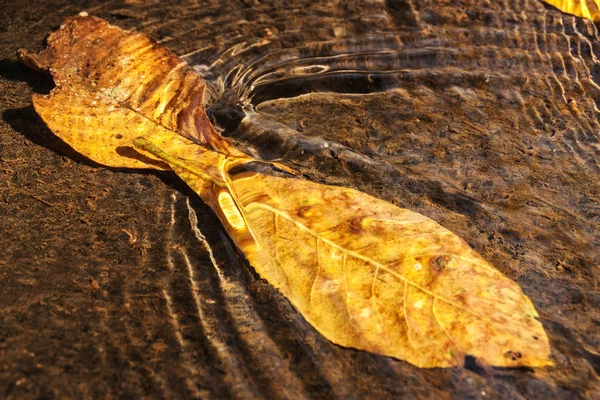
(405, 315)
(374, 302)
(312, 287)
(346, 288)
(384, 267)
(442, 327)
(277, 259)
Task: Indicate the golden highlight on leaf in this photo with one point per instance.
(97, 127)
(116, 69)
(376, 277)
(589, 9)
(365, 273)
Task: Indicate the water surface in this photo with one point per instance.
(480, 115)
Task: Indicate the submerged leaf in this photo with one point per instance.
(589, 9)
(363, 272)
(367, 274)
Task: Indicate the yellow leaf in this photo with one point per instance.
(589, 9)
(112, 86)
(363, 272)
(97, 127)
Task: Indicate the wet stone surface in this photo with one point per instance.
(483, 117)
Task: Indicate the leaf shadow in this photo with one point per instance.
(14, 70)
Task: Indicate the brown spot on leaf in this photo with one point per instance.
(302, 211)
(355, 225)
(513, 355)
(439, 263)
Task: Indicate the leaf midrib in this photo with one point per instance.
(376, 264)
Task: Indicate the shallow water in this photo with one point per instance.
(480, 115)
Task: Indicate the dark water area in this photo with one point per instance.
(483, 116)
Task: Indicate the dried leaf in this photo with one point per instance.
(108, 81)
(589, 9)
(363, 272)
(367, 274)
